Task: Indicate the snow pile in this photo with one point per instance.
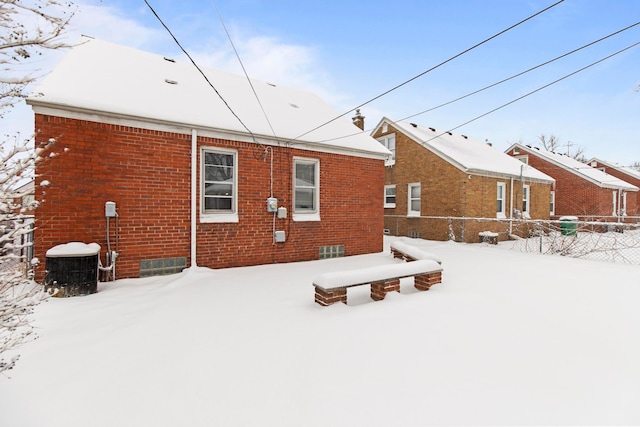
(507, 339)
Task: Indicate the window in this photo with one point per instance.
(526, 195)
(306, 186)
(500, 205)
(552, 207)
(524, 159)
(389, 196)
(219, 185)
(414, 200)
(389, 142)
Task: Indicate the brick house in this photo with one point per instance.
(442, 186)
(624, 173)
(198, 176)
(580, 190)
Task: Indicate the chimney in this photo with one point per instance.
(358, 119)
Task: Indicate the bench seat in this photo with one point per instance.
(332, 287)
(411, 253)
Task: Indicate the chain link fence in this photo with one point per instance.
(599, 240)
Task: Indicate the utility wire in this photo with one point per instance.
(432, 68)
(522, 72)
(243, 68)
(536, 90)
(503, 80)
(200, 70)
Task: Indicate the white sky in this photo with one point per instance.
(349, 52)
(507, 338)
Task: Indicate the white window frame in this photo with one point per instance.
(387, 203)
(411, 212)
(385, 140)
(526, 201)
(552, 207)
(524, 159)
(307, 214)
(230, 215)
(501, 191)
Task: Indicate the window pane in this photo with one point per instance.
(217, 203)
(218, 190)
(305, 174)
(415, 191)
(305, 199)
(415, 205)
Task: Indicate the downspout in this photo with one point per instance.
(194, 188)
(511, 208)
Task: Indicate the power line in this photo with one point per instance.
(200, 70)
(504, 80)
(431, 69)
(522, 72)
(244, 69)
(536, 90)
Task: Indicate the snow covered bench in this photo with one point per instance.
(332, 287)
(411, 253)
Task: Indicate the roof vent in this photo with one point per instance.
(171, 82)
(271, 84)
(464, 136)
(293, 105)
(414, 125)
(169, 59)
(529, 146)
(449, 133)
(432, 129)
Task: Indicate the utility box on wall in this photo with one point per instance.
(279, 237)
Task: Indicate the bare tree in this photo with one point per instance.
(635, 165)
(28, 28)
(552, 143)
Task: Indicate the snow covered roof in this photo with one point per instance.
(578, 168)
(468, 154)
(110, 80)
(624, 169)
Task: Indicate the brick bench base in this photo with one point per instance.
(379, 289)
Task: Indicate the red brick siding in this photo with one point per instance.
(449, 192)
(577, 196)
(147, 174)
(626, 178)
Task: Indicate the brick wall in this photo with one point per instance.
(626, 178)
(147, 174)
(577, 196)
(449, 192)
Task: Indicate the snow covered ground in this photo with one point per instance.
(507, 338)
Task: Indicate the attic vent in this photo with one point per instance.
(414, 125)
(293, 105)
(464, 136)
(171, 82)
(432, 129)
(169, 59)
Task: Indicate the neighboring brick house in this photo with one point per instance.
(624, 173)
(138, 129)
(580, 190)
(440, 186)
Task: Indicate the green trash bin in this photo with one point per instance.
(569, 225)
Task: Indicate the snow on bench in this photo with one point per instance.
(411, 253)
(332, 287)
